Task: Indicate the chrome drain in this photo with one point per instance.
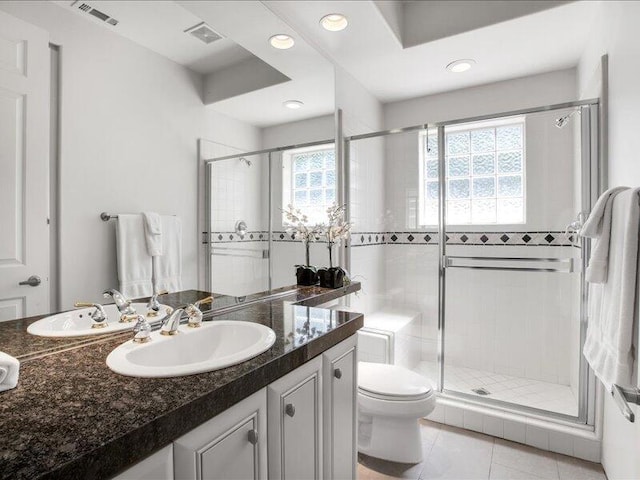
(481, 391)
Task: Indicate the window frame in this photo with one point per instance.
(288, 176)
(469, 127)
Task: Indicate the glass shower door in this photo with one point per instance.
(238, 225)
(513, 316)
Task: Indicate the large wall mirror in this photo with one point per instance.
(273, 146)
(135, 100)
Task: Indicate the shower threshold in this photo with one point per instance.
(506, 388)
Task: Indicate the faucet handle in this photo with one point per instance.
(124, 318)
(204, 301)
(142, 330)
(194, 314)
(99, 316)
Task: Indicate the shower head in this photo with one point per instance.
(248, 162)
(562, 121)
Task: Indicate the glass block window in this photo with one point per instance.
(313, 183)
(484, 172)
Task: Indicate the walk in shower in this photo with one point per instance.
(465, 240)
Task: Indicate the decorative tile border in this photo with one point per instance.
(233, 237)
(364, 239)
(545, 238)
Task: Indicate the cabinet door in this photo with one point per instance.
(295, 424)
(299, 431)
(233, 456)
(340, 410)
(232, 445)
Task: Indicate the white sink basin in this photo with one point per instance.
(77, 323)
(215, 345)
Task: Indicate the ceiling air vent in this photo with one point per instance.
(85, 7)
(204, 33)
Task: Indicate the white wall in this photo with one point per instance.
(129, 124)
(616, 34)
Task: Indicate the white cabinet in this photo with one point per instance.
(230, 446)
(295, 423)
(340, 389)
(308, 417)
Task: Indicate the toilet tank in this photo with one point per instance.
(375, 346)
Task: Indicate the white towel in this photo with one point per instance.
(153, 233)
(9, 371)
(169, 264)
(134, 262)
(609, 345)
(598, 226)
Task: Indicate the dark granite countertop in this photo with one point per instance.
(72, 417)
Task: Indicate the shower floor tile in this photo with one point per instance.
(518, 390)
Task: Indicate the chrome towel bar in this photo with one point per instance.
(105, 217)
(526, 264)
(241, 252)
(623, 396)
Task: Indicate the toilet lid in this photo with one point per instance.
(386, 380)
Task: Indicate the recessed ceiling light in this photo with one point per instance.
(460, 66)
(334, 22)
(293, 104)
(282, 41)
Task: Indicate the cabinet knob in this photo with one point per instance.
(252, 436)
(337, 373)
(289, 409)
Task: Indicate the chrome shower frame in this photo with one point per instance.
(593, 172)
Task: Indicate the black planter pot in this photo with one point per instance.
(306, 275)
(331, 277)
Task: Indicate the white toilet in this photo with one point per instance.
(391, 399)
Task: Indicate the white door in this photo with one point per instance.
(24, 163)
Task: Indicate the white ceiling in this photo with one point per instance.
(370, 51)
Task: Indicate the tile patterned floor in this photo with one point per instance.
(522, 391)
(457, 454)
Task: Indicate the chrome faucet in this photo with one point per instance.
(99, 316)
(171, 323)
(141, 330)
(124, 305)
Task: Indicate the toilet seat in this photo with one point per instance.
(391, 382)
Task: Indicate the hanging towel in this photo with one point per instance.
(169, 264)
(598, 227)
(609, 346)
(134, 262)
(9, 371)
(153, 233)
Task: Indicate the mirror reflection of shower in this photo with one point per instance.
(248, 162)
(562, 121)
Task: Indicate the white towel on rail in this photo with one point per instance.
(609, 346)
(598, 227)
(134, 261)
(153, 233)
(9, 372)
(169, 264)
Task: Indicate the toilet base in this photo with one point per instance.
(390, 438)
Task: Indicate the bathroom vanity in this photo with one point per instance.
(289, 412)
